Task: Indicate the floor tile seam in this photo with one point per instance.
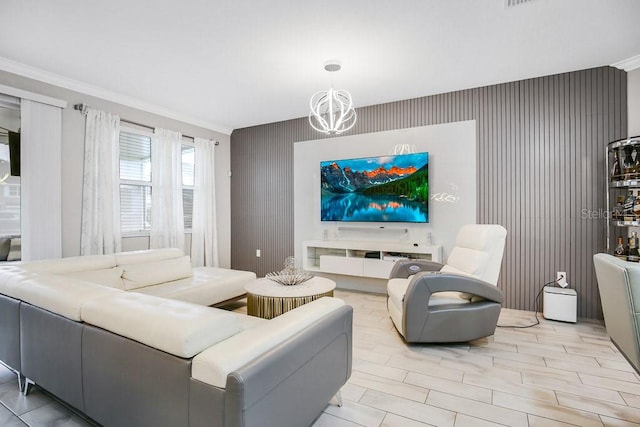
(622, 396)
(402, 416)
(557, 421)
(615, 357)
(634, 382)
(598, 413)
(430, 406)
(502, 390)
(484, 418)
(493, 391)
(487, 420)
(600, 400)
(2, 403)
(452, 394)
(499, 358)
(398, 395)
(351, 421)
(11, 410)
(554, 389)
(377, 376)
(598, 373)
(476, 386)
(560, 407)
(460, 397)
(537, 372)
(624, 362)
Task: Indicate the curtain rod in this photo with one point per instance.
(83, 107)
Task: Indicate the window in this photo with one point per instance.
(9, 188)
(136, 182)
(188, 180)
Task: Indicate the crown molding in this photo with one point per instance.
(23, 94)
(628, 64)
(34, 73)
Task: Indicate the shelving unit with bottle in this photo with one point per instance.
(623, 198)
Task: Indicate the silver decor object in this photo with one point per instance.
(289, 275)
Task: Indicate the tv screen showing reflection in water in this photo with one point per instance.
(376, 189)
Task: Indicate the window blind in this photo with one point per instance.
(135, 157)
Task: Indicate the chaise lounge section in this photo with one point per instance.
(129, 358)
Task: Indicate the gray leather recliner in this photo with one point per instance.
(454, 302)
(619, 287)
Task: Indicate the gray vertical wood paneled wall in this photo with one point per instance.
(540, 148)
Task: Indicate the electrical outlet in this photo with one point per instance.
(561, 279)
(257, 253)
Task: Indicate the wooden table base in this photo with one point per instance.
(270, 307)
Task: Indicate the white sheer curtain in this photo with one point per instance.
(167, 217)
(41, 180)
(100, 231)
(204, 235)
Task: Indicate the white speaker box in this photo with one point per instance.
(560, 304)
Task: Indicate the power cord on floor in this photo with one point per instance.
(535, 308)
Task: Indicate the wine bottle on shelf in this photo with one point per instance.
(620, 251)
(636, 207)
(634, 254)
(616, 171)
(635, 168)
(627, 164)
(618, 209)
(627, 208)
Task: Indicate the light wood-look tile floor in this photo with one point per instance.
(554, 374)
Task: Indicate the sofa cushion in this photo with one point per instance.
(147, 255)
(151, 273)
(60, 294)
(11, 276)
(213, 365)
(207, 286)
(111, 277)
(175, 327)
(71, 264)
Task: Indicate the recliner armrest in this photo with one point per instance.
(431, 282)
(404, 268)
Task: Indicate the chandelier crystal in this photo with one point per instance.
(332, 110)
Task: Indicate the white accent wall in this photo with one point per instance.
(452, 185)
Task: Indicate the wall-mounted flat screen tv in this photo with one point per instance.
(391, 188)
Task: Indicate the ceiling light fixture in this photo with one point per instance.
(332, 110)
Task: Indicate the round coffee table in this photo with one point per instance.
(268, 299)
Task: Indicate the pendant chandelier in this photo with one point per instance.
(332, 110)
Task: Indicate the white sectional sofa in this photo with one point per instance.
(112, 349)
(161, 272)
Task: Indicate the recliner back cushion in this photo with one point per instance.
(469, 261)
(484, 238)
(152, 273)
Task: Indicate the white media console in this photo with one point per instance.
(362, 258)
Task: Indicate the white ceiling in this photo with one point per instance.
(233, 64)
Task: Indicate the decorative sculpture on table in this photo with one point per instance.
(289, 275)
